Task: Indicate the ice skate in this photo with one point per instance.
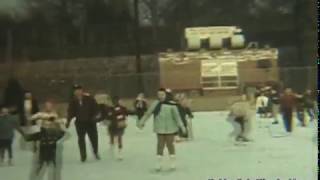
(159, 165)
(172, 163)
(97, 156)
(119, 155)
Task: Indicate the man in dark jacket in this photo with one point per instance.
(84, 109)
(287, 105)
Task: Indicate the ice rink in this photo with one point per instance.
(212, 155)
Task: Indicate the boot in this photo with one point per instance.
(159, 165)
(120, 155)
(97, 156)
(172, 160)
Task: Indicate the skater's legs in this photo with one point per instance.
(120, 145)
(311, 113)
(81, 131)
(300, 116)
(170, 144)
(160, 144)
(240, 120)
(93, 136)
(287, 119)
(275, 111)
(56, 171)
(9, 148)
(112, 137)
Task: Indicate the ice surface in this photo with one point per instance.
(212, 155)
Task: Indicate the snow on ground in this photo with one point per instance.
(212, 155)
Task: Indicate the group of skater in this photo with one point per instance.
(43, 130)
(270, 104)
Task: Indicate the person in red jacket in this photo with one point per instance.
(117, 125)
(287, 105)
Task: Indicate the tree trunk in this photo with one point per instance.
(138, 48)
(155, 24)
(9, 45)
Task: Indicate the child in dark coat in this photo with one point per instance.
(118, 115)
(8, 123)
(140, 106)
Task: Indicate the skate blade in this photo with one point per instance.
(241, 144)
(156, 171)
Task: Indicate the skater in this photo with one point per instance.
(240, 113)
(300, 109)
(275, 100)
(49, 150)
(104, 108)
(309, 104)
(118, 124)
(30, 107)
(140, 105)
(84, 109)
(186, 104)
(167, 122)
(287, 104)
(261, 105)
(185, 114)
(8, 123)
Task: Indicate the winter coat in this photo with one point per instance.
(119, 115)
(275, 98)
(85, 112)
(241, 109)
(34, 110)
(288, 102)
(308, 101)
(167, 121)
(262, 101)
(140, 107)
(8, 123)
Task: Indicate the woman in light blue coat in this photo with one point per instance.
(166, 124)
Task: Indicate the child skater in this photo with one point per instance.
(48, 153)
(167, 122)
(8, 123)
(185, 114)
(186, 103)
(118, 116)
(140, 106)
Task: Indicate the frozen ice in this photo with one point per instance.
(211, 155)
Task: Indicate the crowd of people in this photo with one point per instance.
(270, 104)
(43, 130)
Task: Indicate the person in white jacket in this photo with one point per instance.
(261, 105)
(46, 119)
(241, 114)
